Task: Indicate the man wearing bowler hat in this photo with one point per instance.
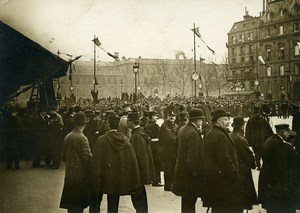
(246, 162)
(141, 144)
(77, 155)
(276, 184)
(222, 184)
(188, 177)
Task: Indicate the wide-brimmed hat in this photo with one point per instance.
(238, 121)
(80, 118)
(219, 113)
(196, 113)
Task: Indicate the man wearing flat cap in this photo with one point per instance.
(188, 177)
(222, 184)
(276, 183)
(77, 156)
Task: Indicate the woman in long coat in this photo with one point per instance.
(246, 162)
(77, 156)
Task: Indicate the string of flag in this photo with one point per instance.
(197, 33)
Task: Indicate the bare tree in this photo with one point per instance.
(182, 75)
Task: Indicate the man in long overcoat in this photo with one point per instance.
(258, 130)
(188, 178)
(152, 129)
(222, 184)
(275, 189)
(169, 149)
(115, 168)
(246, 162)
(77, 155)
(141, 144)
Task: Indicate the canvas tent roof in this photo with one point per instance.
(24, 62)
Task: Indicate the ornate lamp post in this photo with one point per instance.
(136, 68)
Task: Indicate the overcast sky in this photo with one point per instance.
(146, 28)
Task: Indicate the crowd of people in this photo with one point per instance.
(116, 147)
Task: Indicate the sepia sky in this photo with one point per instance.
(146, 28)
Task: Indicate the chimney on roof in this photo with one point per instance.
(247, 16)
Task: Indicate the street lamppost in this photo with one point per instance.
(200, 89)
(195, 77)
(121, 84)
(136, 68)
(170, 83)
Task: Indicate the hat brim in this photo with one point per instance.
(221, 115)
(197, 117)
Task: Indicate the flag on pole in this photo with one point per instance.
(213, 52)
(96, 41)
(196, 31)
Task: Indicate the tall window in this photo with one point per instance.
(296, 26)
(233, 51)
(297, 68)
(297, 50)
(282, 12)
(269, 71)
(242, 37)
(280, 30)
(242, 49)
(233, 39)
(281, 70)
(281, 53)
(251, 48)
(268, 32)
(268, 58)
(251, 36)
(242, 59)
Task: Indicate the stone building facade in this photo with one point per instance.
(263, 52)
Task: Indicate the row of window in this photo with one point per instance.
(268, 57)
(270, 31)
(283, 70)
(243, 50)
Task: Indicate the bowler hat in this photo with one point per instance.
(79, 118)
(219, 113)
(196, 113)
(238, 121)
(152, 113)
(133, 116)
(282, 127)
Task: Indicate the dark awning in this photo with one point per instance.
(24, 62)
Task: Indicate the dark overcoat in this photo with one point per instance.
(115, 168)
(222, 184)
(257, 131)
(77, 184)
(274, 185)
(246, 162)
(167, 141)
(188, 178)
(141, 144)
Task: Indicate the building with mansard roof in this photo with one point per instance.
(263, 52)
